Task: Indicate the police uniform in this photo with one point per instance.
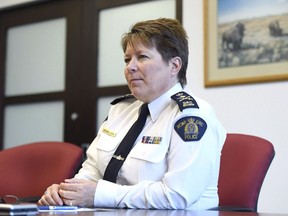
(174, 163)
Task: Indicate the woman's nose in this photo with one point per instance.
(132, 67)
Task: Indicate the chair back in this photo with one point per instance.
(27, 170)
(245, 161)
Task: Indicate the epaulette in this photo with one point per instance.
(124, 97)
(184, 100)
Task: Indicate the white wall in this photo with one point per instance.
(257, 109)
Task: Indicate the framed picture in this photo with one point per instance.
(245, 41)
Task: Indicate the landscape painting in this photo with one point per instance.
(245, 41)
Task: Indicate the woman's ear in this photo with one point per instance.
(176, 65)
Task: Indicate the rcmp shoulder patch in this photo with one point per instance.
(124, 97)
(184, 100)
(190, 128)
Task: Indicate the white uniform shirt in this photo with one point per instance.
(162, 171)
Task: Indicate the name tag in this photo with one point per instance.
(109, 132)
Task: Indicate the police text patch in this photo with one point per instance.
(190, 128)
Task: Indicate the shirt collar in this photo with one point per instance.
(158, 105)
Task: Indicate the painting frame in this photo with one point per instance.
(235, 75)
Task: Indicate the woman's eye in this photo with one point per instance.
(126, 60)
(143, 57)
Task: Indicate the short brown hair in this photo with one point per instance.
(167, 35)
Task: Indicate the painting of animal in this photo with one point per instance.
(264, 40)
(232, 37)
(274, 28)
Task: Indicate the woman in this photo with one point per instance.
(174, 163)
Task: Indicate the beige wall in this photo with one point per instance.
(257, 109)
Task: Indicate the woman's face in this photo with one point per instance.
(147, 75)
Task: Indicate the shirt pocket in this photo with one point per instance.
(107, 143)
(153, 153)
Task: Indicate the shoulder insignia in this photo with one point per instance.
(184, 100)
(190, 128)
(124, 97)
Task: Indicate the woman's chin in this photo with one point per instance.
(139, 96)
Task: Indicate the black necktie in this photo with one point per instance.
(125, 146)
